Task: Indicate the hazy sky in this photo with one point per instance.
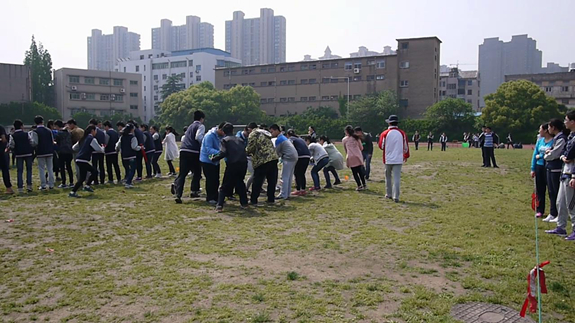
(63, 25)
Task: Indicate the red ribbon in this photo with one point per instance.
(531, 299)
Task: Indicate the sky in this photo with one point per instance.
(63, 25)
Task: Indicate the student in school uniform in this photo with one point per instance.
(65, 153)
(211, 146)
(335, 161)
(367, 152)
(430, 141)
(443, 141)
(98, 157)
(111, 154)
(149, 149)
(190, 157)
(21, 146)
(416, 137)
(304, 156)
(88, 145)
(158, 153)
(554, 164)
(320, 160)
(128, 146)
(4, 161)
(171, 149)
(232, 148)
(43, 140)
(139, 134)
(289, 155)
(55, 159)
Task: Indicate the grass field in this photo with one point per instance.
(461, 233)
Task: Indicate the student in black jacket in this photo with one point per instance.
(65, 153)
(233, 149)
(367, 152)
(111, 153)
(97, 156)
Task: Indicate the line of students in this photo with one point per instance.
(89, 148)
(553, 167)
(259, 151)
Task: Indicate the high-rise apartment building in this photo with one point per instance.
(287, 88)
(498, 58)
(105, 50)
(257, 40)
(193, 35)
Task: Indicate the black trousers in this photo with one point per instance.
(483, 155)
(359, 175)
(443, 146)
(430, 146)
(66, 165)
(416, 145)
(98, 162)
(5, 169)
(541, 186)
(55, 164)
(212, 173)
(326, 171)
(188, 162)
(85, 168)
(489, 156)
(234, 178)
(155, 165)
(553, 181)
(171, 166)
(112, 161)
(299, 173)
(149, 160)
(269, 172)
(139, 167)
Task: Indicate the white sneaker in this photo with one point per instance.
(550, 218)
(158, 175)
(554, 220)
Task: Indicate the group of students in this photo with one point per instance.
(259, 150)
(55, 145)
(553, 169)
(416, 138)
(255, 149)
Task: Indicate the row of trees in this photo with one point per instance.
(517, 107)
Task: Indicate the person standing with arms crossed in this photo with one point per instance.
(416, 138)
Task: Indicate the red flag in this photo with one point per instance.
(144, 153)
(534, 201)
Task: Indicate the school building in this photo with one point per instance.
(289, 88)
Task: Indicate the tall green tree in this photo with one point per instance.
(452, 116)
(239, 105)
(370, 111)
(40, 62)
(519, 107)
(171, 86)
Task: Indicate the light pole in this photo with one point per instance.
(347, 78)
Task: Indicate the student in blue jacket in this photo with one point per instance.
(538, 171)
(211, 146)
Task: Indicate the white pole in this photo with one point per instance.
(348, 98)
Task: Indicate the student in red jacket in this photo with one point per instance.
(393, 142)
